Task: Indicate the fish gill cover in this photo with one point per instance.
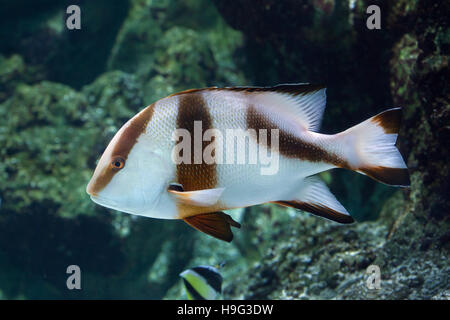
(64, 93)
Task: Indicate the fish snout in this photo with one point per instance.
(90, 190)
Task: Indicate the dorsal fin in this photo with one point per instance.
(304, 101)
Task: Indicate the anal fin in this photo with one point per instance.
(316, 198)
(216, 224)
(318, 210)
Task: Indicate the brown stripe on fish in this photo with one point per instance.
(192, 176)
(129, 136)
(290, 145)
(120, 149)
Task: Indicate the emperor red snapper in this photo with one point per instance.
(172, 160)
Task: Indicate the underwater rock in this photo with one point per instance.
(410, 239)
(170, 53)
(315, 259)
(43, 147)
(116, 95)
(309, 258)
(13, 71)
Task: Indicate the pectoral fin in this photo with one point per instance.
(216, 224)
(199, 198)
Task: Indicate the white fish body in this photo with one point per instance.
(143, 182)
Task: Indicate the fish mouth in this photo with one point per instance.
(111, 204)
(108, 203)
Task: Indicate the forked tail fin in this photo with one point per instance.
(374, 152)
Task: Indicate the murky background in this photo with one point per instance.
(64, 93)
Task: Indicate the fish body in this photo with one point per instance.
(202, 283)
(148, 169)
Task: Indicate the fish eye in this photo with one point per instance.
(118, 163)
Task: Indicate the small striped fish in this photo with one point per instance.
(202, 283)
(139, 174)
